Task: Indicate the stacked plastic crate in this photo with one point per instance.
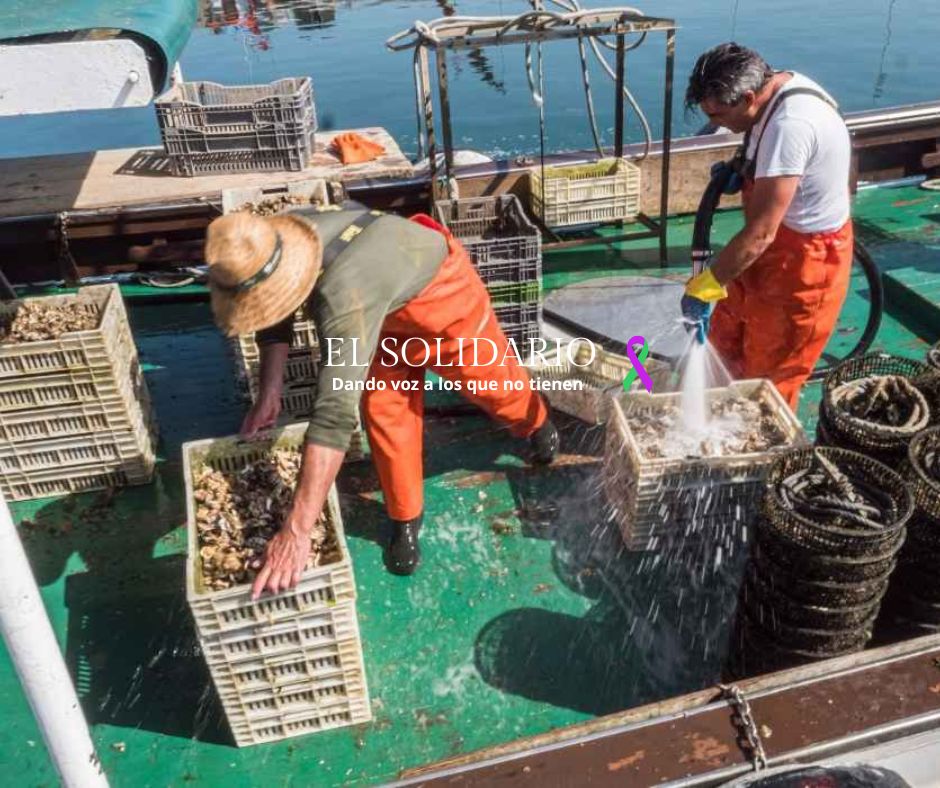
(211, 128)
(604, 191)
(287, 664)
(303, 358)
(656, 499)
(506, 249)
(75, 414)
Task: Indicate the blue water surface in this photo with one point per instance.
(868, 53)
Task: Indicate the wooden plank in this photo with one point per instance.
(42, 185)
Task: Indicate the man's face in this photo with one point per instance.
(736, 117)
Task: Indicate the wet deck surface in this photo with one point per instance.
(526, 614)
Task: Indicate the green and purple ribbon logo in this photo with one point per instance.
(638, 371)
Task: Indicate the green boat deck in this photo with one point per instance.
(526, 614)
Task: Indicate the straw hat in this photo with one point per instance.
(260, 269)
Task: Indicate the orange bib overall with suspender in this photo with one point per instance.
(782, 310)
(453, 308)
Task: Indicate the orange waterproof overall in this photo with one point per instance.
(453, 305)
(780, 313)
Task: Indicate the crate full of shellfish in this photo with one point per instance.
(75, 413)
(596, 377)
(665, 479)
(286, 664)
(64, 333)
(271, 200)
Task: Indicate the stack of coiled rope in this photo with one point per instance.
(830, 527)
(875, 405)
(913, 601)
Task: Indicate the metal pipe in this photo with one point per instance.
(618, 102)
(667, 146)
(444, 92)
(35, 653)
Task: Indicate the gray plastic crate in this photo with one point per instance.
(503, 243)
(194, 152)
(204, 105)
(520, 322)
(211, 128)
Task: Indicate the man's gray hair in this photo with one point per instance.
(725, 73)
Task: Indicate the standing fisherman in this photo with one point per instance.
(780, 283)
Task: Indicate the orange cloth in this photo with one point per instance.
(354, 148)
(454, 304)
(780, 313)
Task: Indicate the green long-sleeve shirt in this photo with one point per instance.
(389, 263)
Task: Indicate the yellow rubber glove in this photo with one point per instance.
(705, 287)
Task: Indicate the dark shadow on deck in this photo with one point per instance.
(660, 623)
(131, 645)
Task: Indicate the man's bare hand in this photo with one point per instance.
(263, 414)
(284, 560)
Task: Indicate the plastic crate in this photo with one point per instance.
(219, 611)
(521, 323)
(194, 152)
(76, 350)
(208, 104)
(657, 498)
(300, 370)
(301, 366)
(314, 191)
(523, 335)
(86, 451)
(314, 688)
(600, 374)
(606, 191)
(109, 415)
(48, 483)
(285, 664)
(298, 676)
(76, 387)
(211, 128)
(504, 245)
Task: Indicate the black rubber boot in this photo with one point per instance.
(544, 443)
(403, 554)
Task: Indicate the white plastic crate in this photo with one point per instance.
(102, 449)
(108, 414)
(302, 361)
(301, 369)
(219, 611)
(607, 190)
(601, 378)
(298, 676)
(75, 387)
(101, 444)
(48, 483)
(658, 498)
(76, 350)
(313, 191)
(286, 664)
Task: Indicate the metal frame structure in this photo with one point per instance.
(456, 33)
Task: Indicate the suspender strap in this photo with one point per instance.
(773, 108)
(349, 234)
